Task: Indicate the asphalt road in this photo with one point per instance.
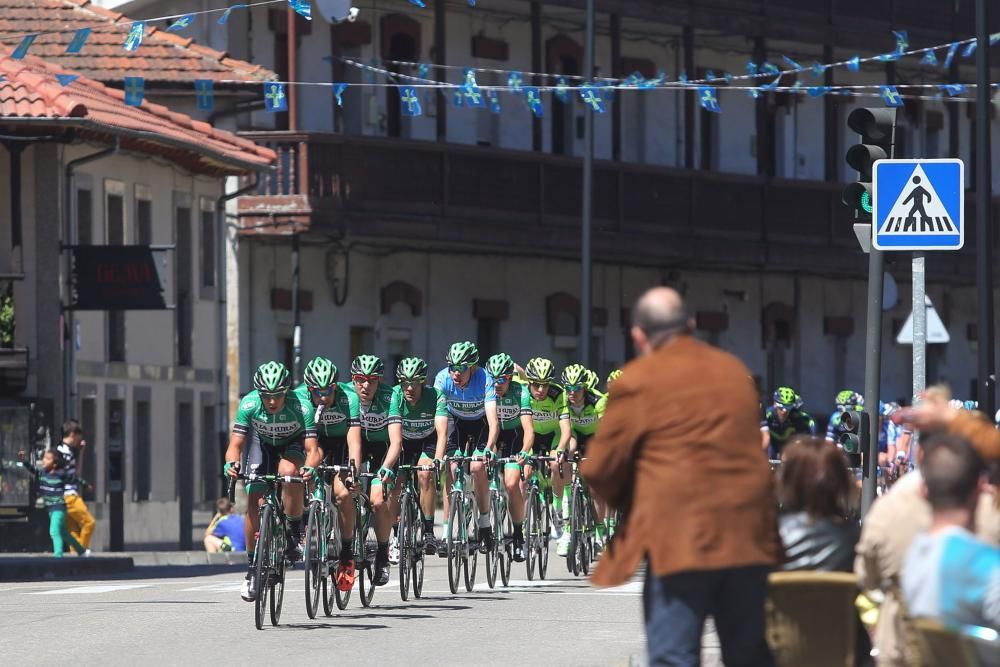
(194, 616)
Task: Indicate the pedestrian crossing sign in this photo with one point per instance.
(918, 204)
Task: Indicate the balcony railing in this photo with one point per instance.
(417, 179)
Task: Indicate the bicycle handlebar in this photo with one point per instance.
(269, 479)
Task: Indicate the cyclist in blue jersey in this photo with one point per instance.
(472, 404)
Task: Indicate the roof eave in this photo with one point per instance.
(227, 165)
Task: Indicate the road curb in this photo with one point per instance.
(42, 568)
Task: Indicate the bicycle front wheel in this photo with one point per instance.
(262, 571)
(313, 559)
(493, 555)
(472, 555)
(417, 560)
(406, 539)
(531, 534)
(369, 545)
(544, 527)
(456, 545)
(278, 587)
(507, 552)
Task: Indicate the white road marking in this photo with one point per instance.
(89, 590)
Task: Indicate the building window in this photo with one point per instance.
(116, 335)
(487, 337)
(184, 308)
(84, 217)
(114, 194)
(207, 244)
(143, 215)
(362, 341)
(141, 451)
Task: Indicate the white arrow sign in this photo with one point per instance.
(936, 331)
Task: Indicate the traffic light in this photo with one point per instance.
(876, 127)
(855, 432)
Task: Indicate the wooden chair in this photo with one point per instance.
(933, 644)
(811, 619)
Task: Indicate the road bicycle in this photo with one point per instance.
(411, 532)
(501, 556)
(581, 524)
(538, 517)
(365, 543)
(463, 553)
(268, 575)
(322, 544)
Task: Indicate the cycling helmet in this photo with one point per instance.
(272, 378)
(614, 375)
(592, 380)
(575, 374)
(971, 405)
(320, 372)
(500, 364)
(539, 369)
(367, 364)
(463, 353)
(850, 399)
(411, 368)
(956, 404)
(889, 408)
(787, 398)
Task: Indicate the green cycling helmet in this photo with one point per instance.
(320, 373)
(540, 370)
(272, 378)
(411, 369)
(850, 399)
(575, 374)
(614, 375)
(592, 380)
(367, 364)
(787, 398)
(500, 364)
(463, 353)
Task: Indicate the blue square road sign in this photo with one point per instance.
(918, 204)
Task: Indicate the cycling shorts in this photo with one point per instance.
(543, 443)
(260, 458)
(581, 444)
(334, 450)
(510, 443)
(463, 431)
(413, 450)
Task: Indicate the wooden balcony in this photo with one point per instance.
(453, 196)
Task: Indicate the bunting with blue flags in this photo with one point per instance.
(274, 97)
(891, 96)
(135, 89)
(135, 35)
(533, 98)
(562, 89)
(204, 90)
(79, 39)
(515, 81)
(22, 49)
(224, 19)
(181, 23)
(409, 102)
(66, 79)
(338, 93)
(591, 98)
(708, 99)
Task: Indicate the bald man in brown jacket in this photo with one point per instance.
(678, 451)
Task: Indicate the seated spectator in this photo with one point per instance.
(225, 531)
(949, 574)
(814, 488)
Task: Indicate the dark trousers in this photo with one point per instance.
(676, 606)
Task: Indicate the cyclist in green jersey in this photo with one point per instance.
(586, 407)
(550, 420)
(517, 435)
(382, 442)
(282, 437)
(424, 412)
(612, 376)
(338, 424)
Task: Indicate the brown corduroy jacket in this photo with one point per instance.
(678, 451)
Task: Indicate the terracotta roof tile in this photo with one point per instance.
(30, 90)
(163, 57)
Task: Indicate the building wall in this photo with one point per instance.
(449, 284)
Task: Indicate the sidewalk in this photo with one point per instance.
(44, 566)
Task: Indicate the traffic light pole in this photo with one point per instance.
(919, 324)
(984, 229)
(873, 367)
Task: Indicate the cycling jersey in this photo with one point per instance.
(293, 422)
(797, 422)
(512, 405)
(548, 412)
(584, 419)
(418, 419)
(337, 418)
(468, 403)
(375, 418)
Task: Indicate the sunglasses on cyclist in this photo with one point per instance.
(502, 380)
(539, 385)
(361, 379)
(574, 387)
(458, 368)
(412, 384)
(267, 396)
(323, 392)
